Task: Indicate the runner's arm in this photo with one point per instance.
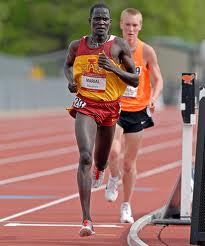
(129, 76)
(155, 72)
(68, 66)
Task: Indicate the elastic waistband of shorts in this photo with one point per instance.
(97, 101)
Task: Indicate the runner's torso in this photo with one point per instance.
(135, 99)
(94, 82)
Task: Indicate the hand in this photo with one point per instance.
(72, 86)
(152, 104)
(105, 62)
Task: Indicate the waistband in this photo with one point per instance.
(86, 99)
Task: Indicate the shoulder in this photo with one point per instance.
(122, 45)
(72, 52)
(121, 42)
(148, 50)
(120, 49)
(74, 45)
(73, 48)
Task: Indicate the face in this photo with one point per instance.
(130, 26)
(100, 21)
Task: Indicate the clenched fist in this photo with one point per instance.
(72, 86)
(105, 62)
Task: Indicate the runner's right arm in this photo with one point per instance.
(68, 65)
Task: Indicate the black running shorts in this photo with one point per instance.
(135, 121)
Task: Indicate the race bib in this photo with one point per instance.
(130, 91)
(94, 82)
(79, 103)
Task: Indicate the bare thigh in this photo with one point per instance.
(85, 129)
(132, 143)
(104, 139)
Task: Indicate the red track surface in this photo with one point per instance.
(39, 195)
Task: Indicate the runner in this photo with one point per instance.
(94, 71)
(135, 116)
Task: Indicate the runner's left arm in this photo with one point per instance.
(129, 76)
(155, 72)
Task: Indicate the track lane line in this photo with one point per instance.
(144, 150)
(159, 131)
(38, 142)
(72, 149)
(149, 173)
(32, 133)
(13, 224)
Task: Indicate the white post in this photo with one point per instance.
(188, 115)
(185, 211)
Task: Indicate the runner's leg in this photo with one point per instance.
(104, 138)
(85, 128)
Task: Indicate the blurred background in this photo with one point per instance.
(35, 34)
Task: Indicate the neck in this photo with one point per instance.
(133, 45)
(97, 41)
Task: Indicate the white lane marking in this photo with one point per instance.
(38, 142)
(63, 199)
(39, 174)
(23, 133)
(161, 169)
(144, 150)
(42, 154)
(48, 140)
(32, 132)
(67, 150)
(60, 225)
(149, 173)
(66, 136)
(162, 145)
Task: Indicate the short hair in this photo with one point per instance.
(97, 6)
(131, 11)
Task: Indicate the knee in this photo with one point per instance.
(114, 152)
(113, 155)
(85, 158)
(129, 167)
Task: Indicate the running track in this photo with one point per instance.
(38, 189)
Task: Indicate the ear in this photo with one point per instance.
(121, 27)
(89, 20)
(140, 27)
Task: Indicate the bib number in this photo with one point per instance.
(79, 103)
(138, 70)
